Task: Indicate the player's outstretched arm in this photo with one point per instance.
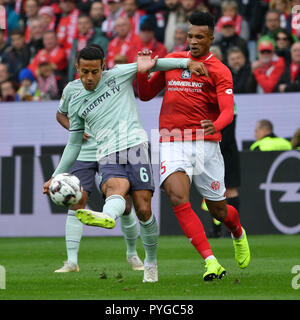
(146, 64)
(69, 156)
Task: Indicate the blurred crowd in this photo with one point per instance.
(257, 39)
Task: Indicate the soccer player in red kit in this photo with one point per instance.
(193, 104)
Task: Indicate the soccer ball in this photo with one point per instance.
(65, 190)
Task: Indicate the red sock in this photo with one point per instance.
(193, 228)
(232, 222)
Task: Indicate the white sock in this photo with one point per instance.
(130, 232)
(114, 206)
(73, 236)
(210, 257)
(148, 233)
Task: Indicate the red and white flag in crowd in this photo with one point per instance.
(2, 17)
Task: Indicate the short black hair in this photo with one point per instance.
(147, 25)
(201, 18)
(18, 32)
(91, 52)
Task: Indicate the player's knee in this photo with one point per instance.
(143, 211)
(178, 199)
(115, 186)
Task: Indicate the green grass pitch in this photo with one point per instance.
(105, 273)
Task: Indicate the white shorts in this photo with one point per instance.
(201, 160)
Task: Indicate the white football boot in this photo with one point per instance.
(135, 263)
(68, 267)
(150, 273)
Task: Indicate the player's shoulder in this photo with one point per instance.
(181, 54)
(72, 85)
(217, 67)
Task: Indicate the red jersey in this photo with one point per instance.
(157, 48)
(189, 98)
(118, 46)
(56, 56)
(268, 76)
(67, 30)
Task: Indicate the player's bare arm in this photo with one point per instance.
(145, 63)
(63, 120)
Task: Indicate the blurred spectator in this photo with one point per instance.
(230, 9)
(36, 34)
(8, 91)
(216, 51)
(97, 14)
(146, 40)
(17, 55)
(284, 7)
(51, 51)
(84, 6)
(253, 12)
(47, 18)
(295, 142)
(272, 26)
(31, 12)
(119, 59)
(155, 12)
(115, 11)
(267, 70)
(120, 44)
(12, 18)
(28, 90)
(189, 6)
(3, 44)
(173, 16)
(266, 140)
(4, 73)
(284, 41)
(49, 84)
(290, 79)
(180, 37)
(134, 15)
(229, 38)
(295, 18)
(240, 69)
(67, 26)
(86, 35)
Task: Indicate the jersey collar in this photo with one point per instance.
(203, 58)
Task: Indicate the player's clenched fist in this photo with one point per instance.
(46, 186)
(198, 68)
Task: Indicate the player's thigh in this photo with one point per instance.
(116, 186)
(177, 187)
(139, 169)
(142, 203)
(113, 176)
(128, 205)
(210, 183)
(176, 170)
(85, 171)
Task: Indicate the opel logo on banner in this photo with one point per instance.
(291, 192)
